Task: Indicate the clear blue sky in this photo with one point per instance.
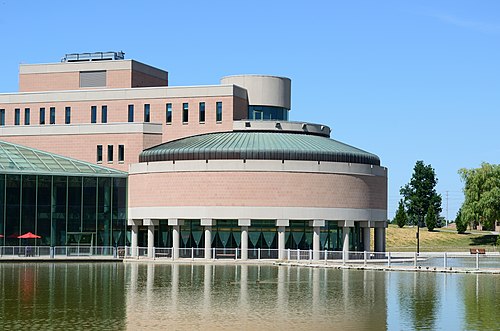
(406, 80)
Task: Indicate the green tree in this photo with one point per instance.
(431, 219)
(420, 193)
(482, 194)
(401, 219)
(460, 223)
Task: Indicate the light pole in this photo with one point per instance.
(418, 235)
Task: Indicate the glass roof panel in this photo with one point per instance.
(17, 158)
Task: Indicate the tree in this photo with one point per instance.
(460, 223)
(482, 194)
(401, 219)
(420, 193)
(431, 219)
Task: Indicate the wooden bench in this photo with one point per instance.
(478, 251)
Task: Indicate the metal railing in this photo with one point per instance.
(426, 260)
(62, 251)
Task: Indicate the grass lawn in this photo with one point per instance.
(440, 240)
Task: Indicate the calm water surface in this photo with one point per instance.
(134, 296)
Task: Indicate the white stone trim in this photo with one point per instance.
(79, 129)
(379, 216)
(108, 94)
(258, 165)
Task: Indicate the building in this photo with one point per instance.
(209, 168)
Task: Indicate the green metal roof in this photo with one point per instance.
(258, 145)
(20, 159)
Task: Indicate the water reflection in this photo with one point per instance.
(139, 296)
(249, 297)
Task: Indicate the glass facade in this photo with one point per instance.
(93, 114)
(27, 116)
(168, 113)
(218, 111)
(42, 116)
(267, 113)
(185, 112)
(63, 210)
(202, 112)
(67, 115)
(52, 115)
(147, 113)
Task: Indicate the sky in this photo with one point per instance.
(405, 80)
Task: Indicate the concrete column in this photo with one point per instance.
(366, 239)
(281, 242)
(151, 240)
(175, 241)
(244, 243)
(208, 223)
(345, 243)
(316, 248)
(316, 225)
(281, 224)
(380, 239)
(244, 223)
(135, 235)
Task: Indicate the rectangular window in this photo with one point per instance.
(26, 116)
(42, 116)
(52, 115)
(2, 117)
(147, 113)
(168, 113)
(67, 115)
(110, 153)
(202, 112)
(93, 114)
(218, 111)
(104, 114)
(185, 112)
(121, 153)
(130, 113)
(17, 116)
(99, 153)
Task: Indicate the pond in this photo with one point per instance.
(153, 296)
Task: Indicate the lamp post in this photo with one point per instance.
(418, 235)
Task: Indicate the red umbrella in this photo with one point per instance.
(28, 235)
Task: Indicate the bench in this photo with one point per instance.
(478, 251)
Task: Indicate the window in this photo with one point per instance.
(121, 153)
(218, 111)
(110, 153)
(130, 113)
(42, 116)
(26, 116)
(168, 113)
(202, 112)
(52, 115)
(147, 115)
(67, 115)
(93, 114)
(104, 114)
(17, 116)
(185, 113)
(99, 153)
(2, 117)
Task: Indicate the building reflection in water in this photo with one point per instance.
(217, 296)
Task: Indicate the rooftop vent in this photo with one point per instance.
(97, 56)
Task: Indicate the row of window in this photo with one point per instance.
(121, 153)
(185, 112)
(104, 114)
(27, 116)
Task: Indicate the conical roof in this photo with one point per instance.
(20, 159)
